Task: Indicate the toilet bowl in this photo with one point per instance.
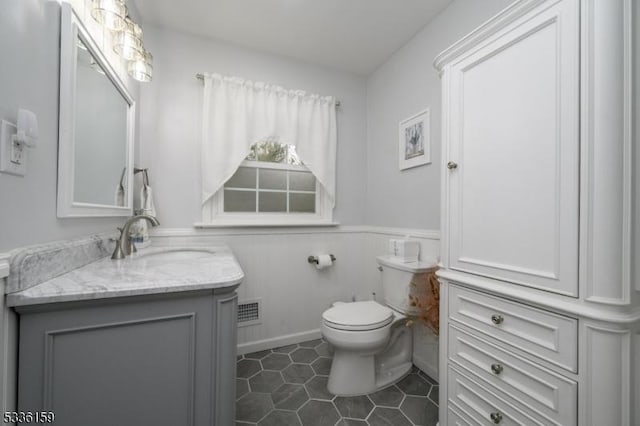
(373, 343)
(372, 347)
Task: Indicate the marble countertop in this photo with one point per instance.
(154, 270)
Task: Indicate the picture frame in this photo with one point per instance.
(414, 140)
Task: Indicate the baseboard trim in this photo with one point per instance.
(276, 342)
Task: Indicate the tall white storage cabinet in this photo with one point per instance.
(540, 320)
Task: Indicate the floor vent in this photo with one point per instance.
(249, 312)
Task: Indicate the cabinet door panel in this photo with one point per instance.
(122, 373)
(514, 135)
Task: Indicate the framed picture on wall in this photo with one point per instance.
(415, 141)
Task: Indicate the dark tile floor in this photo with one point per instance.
(287, 386)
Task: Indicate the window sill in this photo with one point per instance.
(236, 224)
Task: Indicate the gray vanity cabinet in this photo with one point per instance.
(157, 360)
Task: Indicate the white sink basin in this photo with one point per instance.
(173, 254)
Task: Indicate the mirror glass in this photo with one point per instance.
(97, 115)
(100, 159)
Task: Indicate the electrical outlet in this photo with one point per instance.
(13, 156)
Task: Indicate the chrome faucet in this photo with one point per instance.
(124, 245)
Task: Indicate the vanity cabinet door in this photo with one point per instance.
(511, 122)
(130, 361)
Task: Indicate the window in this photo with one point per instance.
(271, 187)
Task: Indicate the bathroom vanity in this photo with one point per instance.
(147, 340)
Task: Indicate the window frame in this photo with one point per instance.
(213, 212)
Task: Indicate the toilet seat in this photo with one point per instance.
(358, 316)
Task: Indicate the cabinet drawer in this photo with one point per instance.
(548, 336)
(481, 404)
(454, 418)
(550, 395)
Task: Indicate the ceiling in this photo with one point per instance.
(350, 35)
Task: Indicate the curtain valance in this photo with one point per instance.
(238, 113)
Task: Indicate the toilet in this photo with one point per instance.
(372, 341)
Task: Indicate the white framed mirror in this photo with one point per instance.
(96, 128)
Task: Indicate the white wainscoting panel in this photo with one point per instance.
(294, 293)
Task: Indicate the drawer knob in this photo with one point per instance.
(496, 417)
(451, 165)
(496, 368)
(497, 319)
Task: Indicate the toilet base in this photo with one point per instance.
(351, 374)
(388, 377)
(355, 373)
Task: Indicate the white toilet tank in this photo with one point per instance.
(396, 281)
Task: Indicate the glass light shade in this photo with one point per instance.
(128, 42)
(109, 13)
(141, 69)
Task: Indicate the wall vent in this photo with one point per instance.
(249, 312)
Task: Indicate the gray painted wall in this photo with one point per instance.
(171, 107)
(404, 85)
(29, 46)
(371, 190)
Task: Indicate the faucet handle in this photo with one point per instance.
(117, 252)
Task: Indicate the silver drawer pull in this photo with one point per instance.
(451, 165)
(497, 319)
(496, 368)
(496, 417)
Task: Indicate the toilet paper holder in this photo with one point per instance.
(314, 259)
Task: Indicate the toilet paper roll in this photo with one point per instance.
(324, 261)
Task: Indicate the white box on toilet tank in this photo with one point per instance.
(404, 250)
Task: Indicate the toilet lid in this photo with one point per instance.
(367, 315)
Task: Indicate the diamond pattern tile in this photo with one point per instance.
(287, 386)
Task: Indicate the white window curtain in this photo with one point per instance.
(238, 113)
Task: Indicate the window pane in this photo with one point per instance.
(273, 179)
(244, 177)
(302, 181)
(239, 201)
(302, 203)
(272, 202)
